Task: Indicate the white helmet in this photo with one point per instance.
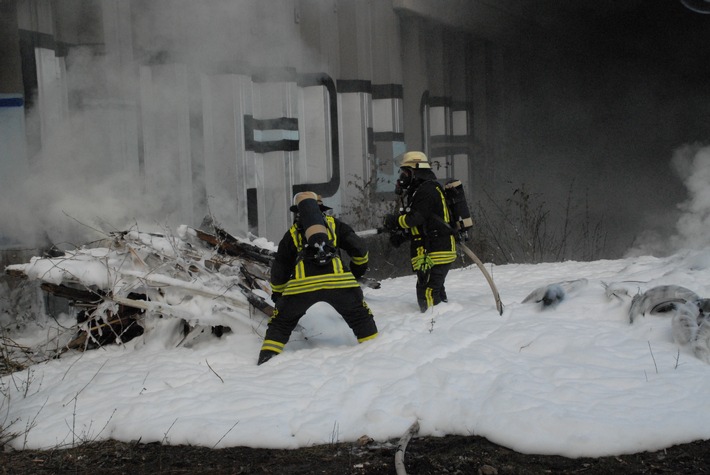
(414, 160)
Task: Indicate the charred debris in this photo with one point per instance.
(134, 282)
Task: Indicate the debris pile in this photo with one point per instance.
(122, 285)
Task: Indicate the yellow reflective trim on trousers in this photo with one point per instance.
(272, 345)
(360, 340)
(428, 294)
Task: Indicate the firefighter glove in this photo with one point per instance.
(398, 238)
(391, 222)
(422, 263)
(358, 270)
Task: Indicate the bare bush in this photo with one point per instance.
(366, 211)
(527, 229)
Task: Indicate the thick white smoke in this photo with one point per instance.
(692, 163)
(689, 229)
(86, 180)
(74, 191)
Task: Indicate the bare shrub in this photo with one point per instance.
(365, 211)
(524, 228)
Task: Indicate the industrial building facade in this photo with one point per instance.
(228, 108)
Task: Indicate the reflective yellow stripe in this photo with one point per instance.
(272, 345)
(360, 340)
(330, 222)
(429, 297)
(338, 266)
(300, 270)
(319, 286)
(447, 217)
(328, 281)
(296, 236)
(402, 221)
(439, 257)
(338, 279)
(361, 260)
(442, 257)
(278, 288)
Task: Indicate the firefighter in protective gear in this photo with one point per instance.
(433, 247)
(308, 269)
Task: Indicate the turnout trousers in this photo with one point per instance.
(348, 302)
(431, 291)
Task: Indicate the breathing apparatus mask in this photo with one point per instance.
(406, 176)
(408, 163)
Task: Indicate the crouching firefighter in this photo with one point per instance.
(308, 269)
(425, 216)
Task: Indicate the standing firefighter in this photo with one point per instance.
(308, 269)
(425, 219)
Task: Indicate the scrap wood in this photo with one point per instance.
(247, 247)
(257, 302)
(228, 244)
(161, 274)
(256, 272)
(16, 273)
(79, 341)
(71, 293)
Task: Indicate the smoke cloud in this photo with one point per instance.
(692, 163)
(85, 180)
(88, 177)
(691, 227)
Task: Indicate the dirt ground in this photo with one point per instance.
(423, 456)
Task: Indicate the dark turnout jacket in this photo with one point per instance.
(293, 273)
(425, 202)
